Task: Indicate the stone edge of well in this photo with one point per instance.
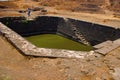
(29, 49)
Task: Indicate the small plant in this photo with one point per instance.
(7, 23)
(28, 57)
(118, 2)
(7, 78)
(112, 4)
(24, 21)
(45, 4)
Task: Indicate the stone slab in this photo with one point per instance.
(108, 47)
(103, 44)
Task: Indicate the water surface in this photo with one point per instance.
(58, 42)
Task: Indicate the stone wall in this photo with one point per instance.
(38, 26)
(96, 33)
(93, 33)
(29, 49)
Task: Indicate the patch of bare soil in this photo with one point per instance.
(8, 4)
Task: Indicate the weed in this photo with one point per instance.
(6, 78)
(45, 4)
(7, 23)
(28, 57)
(24, 21)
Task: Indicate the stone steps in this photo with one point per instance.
(77, 33)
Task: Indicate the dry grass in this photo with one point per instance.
(71, 5)
(62, 4)
(9, 14)
(8, 4)
(81, 5)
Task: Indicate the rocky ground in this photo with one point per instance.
(15, 66)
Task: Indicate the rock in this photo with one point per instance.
(43, 10)
(84, 71)
(97, 78)
(116, 74)
(37, 9)
(98, 55)
(90, 58)
(92, 72)
(21, 11)
(104, 77)
(118, 57)
(70, 78)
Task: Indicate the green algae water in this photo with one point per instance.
(58, 42)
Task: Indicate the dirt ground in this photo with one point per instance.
(15, 66)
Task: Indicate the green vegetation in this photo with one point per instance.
(24, 21)
(7, 23)
(56, 41)
(5, 78)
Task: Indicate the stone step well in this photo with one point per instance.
(78, 35)
(30, 50)
(97, 35)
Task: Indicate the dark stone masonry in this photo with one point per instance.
(80, 31)
(92, 33)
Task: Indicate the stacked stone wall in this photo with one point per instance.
(93, 33)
